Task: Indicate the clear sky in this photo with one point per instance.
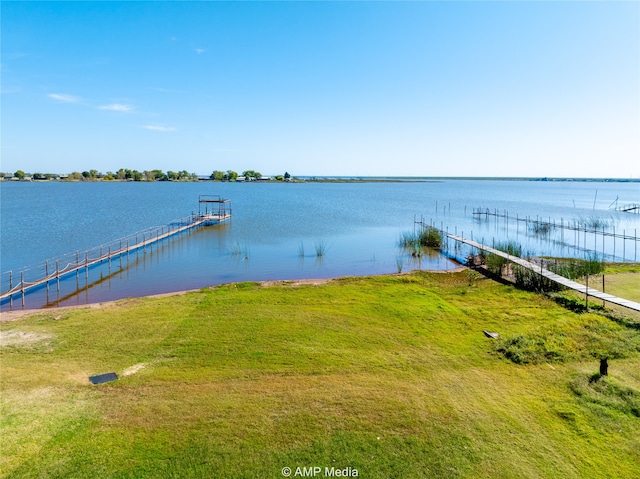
(323, 88)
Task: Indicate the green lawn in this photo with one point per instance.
(391, 376)
(624, 284)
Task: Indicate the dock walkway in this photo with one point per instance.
(213, 210)
(581, 288)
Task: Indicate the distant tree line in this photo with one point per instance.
(247, 175)
(125, 174)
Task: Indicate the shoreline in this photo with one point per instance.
(9, 316)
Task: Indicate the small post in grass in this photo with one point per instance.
(604, 366)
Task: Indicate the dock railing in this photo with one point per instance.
(54, 269)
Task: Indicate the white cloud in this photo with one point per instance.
(63, 98)
(200, 50)
(116, 107)
(158, 128)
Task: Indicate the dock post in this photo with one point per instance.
(57, 276)
(46, 273)
(86, 267)
(22, 286)
(11, 280)
(109, 259)
(77, 265)
(624, 244)
(587, 294)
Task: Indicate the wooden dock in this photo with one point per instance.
(581, 288)
(629, 208)
(213, 210)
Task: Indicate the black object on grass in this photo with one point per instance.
(103, 378)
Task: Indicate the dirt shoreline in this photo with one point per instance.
(7, 316)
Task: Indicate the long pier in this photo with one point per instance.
(213, 210)
(581, 288)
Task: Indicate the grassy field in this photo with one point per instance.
(622, 280)
(388, 376)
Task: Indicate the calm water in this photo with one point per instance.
(275, 229)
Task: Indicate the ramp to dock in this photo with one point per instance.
(581, 288)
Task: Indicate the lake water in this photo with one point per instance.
(276, 229)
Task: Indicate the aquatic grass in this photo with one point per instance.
(431, 237)
(576, 268)
(415, 243)
(541, 229)
(512, 248)
(321, 248)
(410, 243)
(530, 280)
(407, 239)
(301, 249)
(238, 249)
(594, 222)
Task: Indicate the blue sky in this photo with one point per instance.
(323, 88)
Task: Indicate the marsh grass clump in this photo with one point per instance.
(414, 244)
(407, 240)
(575, 268)
(541, 229)
(430, 237)
(321, 248)
(512, 248)
(399, 264)
(495, 263)
(533, 281)
(594, 222)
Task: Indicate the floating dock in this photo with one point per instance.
(212, 210)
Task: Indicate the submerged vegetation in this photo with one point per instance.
(388, 375)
